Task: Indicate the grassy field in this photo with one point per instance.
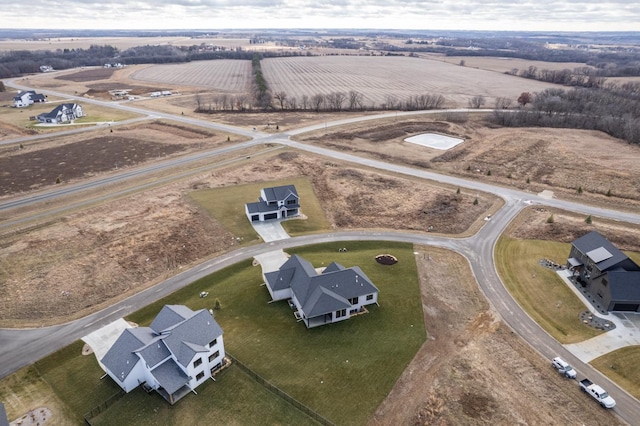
(342, 371)
(539, 290)
(234, 398)
(621, 366)
(227, 205)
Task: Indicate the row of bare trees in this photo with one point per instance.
(615, 111)
(319, 102)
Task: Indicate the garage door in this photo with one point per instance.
(255, 218)
(626, 307)
(270, 216)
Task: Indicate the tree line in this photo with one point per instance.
(16, 63)
(614, 110)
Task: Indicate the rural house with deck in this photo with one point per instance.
(335, 294)
(279, 202)
(174, 355)
(610, 277)
(63, 113)
(29, 97)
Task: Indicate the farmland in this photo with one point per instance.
(379, 78)
(226, 75)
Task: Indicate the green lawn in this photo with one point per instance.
(227, 206)
(342, 371)
(234, 398)
(621, 366)
(539, 290)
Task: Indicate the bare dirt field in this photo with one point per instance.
(473, 370)
(381, 77)
(560, 160)
(70, 158)
(225, 75)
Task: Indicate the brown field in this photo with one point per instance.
(225, 75)
(502, 65)
(560, 160)
(379, 78)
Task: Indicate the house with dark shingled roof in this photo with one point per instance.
(174, 355)
(28, 97)
(335, 294)
(63, 113)
(279, 202)
(610, 277)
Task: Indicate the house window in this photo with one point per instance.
(200, 375)
(369, 296)
(197, 362)
(605, 282)
(354, 301)
(214, 355)
(341, 313)
(291, 201)
(213, 343)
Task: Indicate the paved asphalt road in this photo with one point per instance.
(19, 348)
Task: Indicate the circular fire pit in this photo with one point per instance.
(386, 259)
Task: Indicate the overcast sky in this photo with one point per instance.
(528, 15)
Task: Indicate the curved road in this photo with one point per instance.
(19, 348)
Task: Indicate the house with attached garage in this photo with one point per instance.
(279, 202)
(610, 277)
(63, 113)
(334, 294)
(26, 98)
(173, 356)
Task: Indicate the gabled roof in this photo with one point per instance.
(624, 285)
(330, 291)
(604, 254)
(176, 330)
(192, 335)
(58, 110)
(280, 192)
(170, 376)
(121, 357)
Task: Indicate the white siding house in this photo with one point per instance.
(174, 355)
(279, 202)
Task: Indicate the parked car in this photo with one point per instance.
(597, 393)
(563, 367)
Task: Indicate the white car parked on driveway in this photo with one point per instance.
(563, 367)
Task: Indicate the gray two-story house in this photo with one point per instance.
(611, 278)
(279, 202)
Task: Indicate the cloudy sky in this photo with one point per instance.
(534, 15)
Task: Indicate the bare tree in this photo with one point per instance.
(281, 97)
(355, 100)
(292, 103)
(503, 103)
(317, 101)
(305, 101)
(477, 101)
(336, 100)
(198, 102)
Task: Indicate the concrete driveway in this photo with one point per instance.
(626, 332)
(270, 231)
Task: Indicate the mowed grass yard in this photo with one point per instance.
(539, 290)
(621, 366)
(20, 117)
(227, 205)
(342, 371)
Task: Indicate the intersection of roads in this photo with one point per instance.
(22, 347)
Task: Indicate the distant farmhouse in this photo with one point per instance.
(29, 97)
(334, 295)
(175, 354)
(63, 113)
(605, 272)
(46, 68)
(279, 202)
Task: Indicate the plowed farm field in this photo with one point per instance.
(379, 78)
(232, 76)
